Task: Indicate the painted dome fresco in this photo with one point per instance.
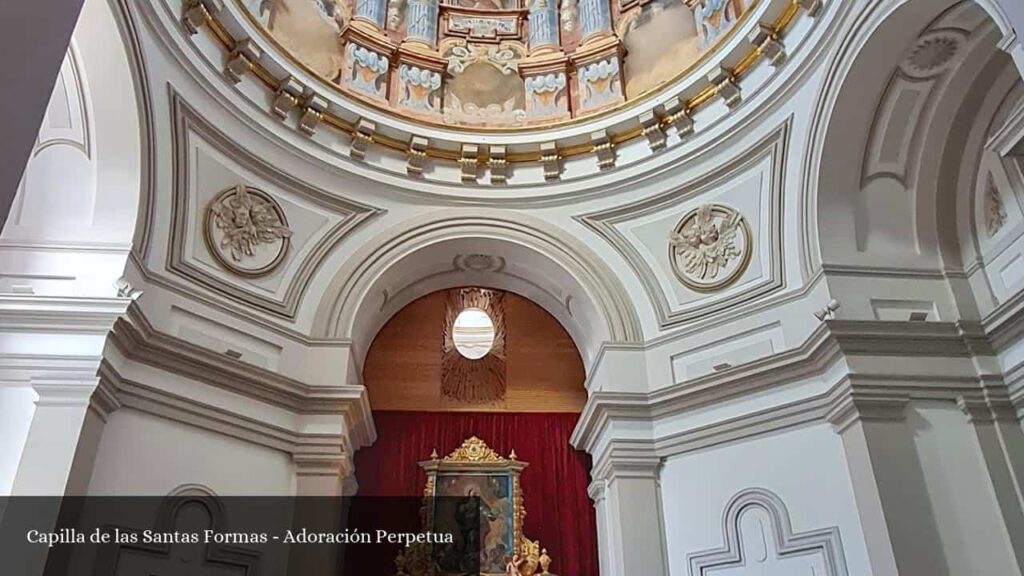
(496, 64)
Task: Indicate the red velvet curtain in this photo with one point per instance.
(558, 511)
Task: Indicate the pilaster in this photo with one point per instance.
(627, 497)
(888, 484)
(1000, 442)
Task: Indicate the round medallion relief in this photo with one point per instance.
(710, 247)
(246, 231)
(932, 54)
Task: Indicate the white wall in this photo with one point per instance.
(141, 454)
(805, 467)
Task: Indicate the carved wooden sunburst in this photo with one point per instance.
(480, 381)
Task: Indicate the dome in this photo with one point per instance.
(495, 92)
(497, 65)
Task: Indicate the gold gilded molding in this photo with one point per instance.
(474, 449)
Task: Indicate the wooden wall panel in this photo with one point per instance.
(544, 371)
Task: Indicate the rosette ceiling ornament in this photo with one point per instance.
(710, 247)
(246, 231)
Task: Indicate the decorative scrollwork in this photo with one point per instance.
(474, 449)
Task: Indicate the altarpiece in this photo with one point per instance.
(491, 482)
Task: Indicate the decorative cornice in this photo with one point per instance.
(60, 314)
(119, 392)
(139, 342)
(853, 395)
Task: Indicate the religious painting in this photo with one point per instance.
(493, 539)
(485, 4)
(309, 29)
(484, 87)
(661, 39)
(475, 493)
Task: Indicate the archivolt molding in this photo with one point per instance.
(187, 123)
(140, 84)
(860, 30)
(354, 288)
(605, 223)
(825, 542)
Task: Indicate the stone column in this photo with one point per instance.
(321, 482)
(630, 529)
(1000, 441)
(543, 26)
(57, 433)
(372, 11)
(421, 22)
(595, 19)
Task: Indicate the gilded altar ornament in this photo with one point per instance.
(474, 450)
(246, 231)
(475, 470)
(710, 247)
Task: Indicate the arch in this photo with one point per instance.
(873, 152)
(81, 189)
(526, 256)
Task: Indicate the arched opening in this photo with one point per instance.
(901, 146)
(524, 395)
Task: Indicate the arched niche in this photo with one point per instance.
(83, 184)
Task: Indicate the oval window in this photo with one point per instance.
(473, 333)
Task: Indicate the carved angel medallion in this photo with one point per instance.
(710, 247)
(246, 231)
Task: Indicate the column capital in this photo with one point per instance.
(628, 459)
(63, 392)
(596, 491)
(313, 464)
(986, 410)
(854, 406)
